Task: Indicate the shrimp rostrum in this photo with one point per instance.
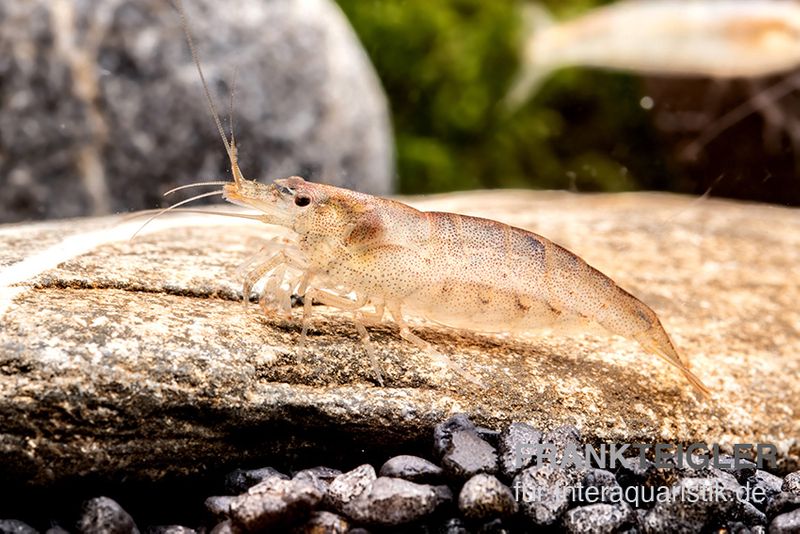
(459, 271)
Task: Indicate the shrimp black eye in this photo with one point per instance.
(301, 200)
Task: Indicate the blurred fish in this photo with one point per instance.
(710, 38)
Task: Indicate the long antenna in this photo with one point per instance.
(230, 148)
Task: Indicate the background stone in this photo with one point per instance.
(102, 109)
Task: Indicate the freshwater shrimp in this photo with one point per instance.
(353, 251)
(709, 38)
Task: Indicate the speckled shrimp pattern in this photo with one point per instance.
(464, 272)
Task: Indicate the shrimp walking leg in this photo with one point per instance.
(281, 258)
(276, 294)
(408, 335)
(343, 303)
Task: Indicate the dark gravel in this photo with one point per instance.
(548, 496)
(105, 516)
(240, 480)
(412, 468)
(14, 526)
(485, 497)
(599, 518)
(791, 483)
(475, 480)
(512, 445)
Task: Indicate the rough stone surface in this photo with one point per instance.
(469, 455)
(781, 503)
(171, 529)
(219, 505)
(274, 503)
(322, 522)
(513, 452)
(240, 480)
(485, 497)
(744, 470)
(411, 468)
(102, 515)
(320, 477)
(638, 471)
(394, 501)
(715, 503)
(103, 111)
(766, 484)
(15, 526)
(791, 483)
(786, 523)
(543, 493)
(137, 358)
(599, 485)
(598, 518)
(560, 438)
(347, 486)
(226, 527)
(443, 432)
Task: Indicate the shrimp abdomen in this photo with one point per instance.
(575, 286)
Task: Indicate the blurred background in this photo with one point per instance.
(101, 111)
(447, 65)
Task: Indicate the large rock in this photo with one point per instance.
(102, 110)
(137, 359)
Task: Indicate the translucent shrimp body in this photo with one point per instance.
(713, 38)
(464, 272)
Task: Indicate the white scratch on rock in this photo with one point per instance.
(14, 277)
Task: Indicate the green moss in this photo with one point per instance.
(446, 66)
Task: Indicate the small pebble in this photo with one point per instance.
(792, 483)
(767, 484)
(411, 468)
(742, 469)
(512, 443)
(240, 480)
(543, 493)
(561, 437)
(715, 500)
(642, 472)
(274, 503)
(226, 527)
(15, 526)
(781, 503)
(635, 471)
(347, 486)
(484, 497)
(394, 501)
(599, 486)
(454, 525)
(737, 527)
(599, 518)
(443, 432)
(786, 523)
(495, 526)
(320, 476)
(102, 515)
(219, 506)
(322, 522)
(469, 455)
